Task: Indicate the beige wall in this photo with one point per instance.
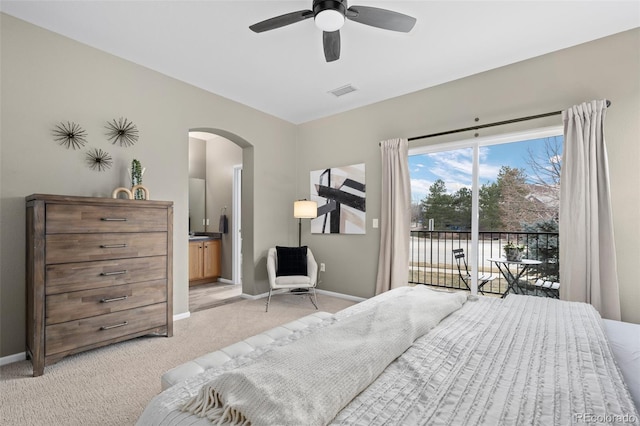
(46, 78)
(606, 68)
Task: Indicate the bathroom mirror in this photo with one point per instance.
(196, 205)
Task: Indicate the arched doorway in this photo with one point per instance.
(237, 177)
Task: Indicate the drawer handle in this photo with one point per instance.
(109, 327)
(107, 274)
(113, 245)
(113, 299)
(113, 219)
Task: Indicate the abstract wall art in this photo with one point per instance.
(340, 194)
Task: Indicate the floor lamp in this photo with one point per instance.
(304, 209)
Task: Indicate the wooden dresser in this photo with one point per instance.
(99, 271)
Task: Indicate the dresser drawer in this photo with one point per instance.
(63, 277)
(74, 218)
(67, 248)
(83, 304)
(85, 332)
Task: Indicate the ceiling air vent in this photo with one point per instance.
(340, 91)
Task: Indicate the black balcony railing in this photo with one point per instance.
(431, 259)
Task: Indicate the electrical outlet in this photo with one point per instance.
(375, 223)
(322, 267)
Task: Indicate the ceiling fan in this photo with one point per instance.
(329, 16)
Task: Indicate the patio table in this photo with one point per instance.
(512, 279)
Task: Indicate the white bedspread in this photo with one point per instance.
(519, 360)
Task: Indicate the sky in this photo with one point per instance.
(454, 167)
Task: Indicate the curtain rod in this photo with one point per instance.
(498, 123)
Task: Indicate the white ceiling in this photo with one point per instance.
(207, 43)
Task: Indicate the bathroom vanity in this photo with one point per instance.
(204, 258)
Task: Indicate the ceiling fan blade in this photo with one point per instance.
(281, 21)
(381, 18)
(331, 43)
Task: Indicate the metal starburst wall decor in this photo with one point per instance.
(99, 160)
(122, 131)
(70, 134)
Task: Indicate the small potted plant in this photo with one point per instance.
(136, 173)
(513, 251)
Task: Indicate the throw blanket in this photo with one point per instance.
(310, 380)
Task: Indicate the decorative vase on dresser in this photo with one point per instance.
(99, 271)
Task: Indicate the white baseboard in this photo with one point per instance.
(254, 296)
(325, 292)
(225, 281)
(181, 316)
(341, 295)
(10, 359)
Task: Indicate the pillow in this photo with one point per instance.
(291, 261)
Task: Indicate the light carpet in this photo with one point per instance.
(112, 385)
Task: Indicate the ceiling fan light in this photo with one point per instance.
(329, 20)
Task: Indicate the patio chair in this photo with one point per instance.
(463, 271)
(525, 287)
(549, 288)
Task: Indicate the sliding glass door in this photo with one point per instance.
(471, 198)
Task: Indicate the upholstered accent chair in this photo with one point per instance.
(293, 269)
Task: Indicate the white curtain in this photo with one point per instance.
(395, 216)
(587, 251)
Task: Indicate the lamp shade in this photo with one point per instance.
(305, 209)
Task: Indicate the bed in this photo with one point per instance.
(467, 361)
